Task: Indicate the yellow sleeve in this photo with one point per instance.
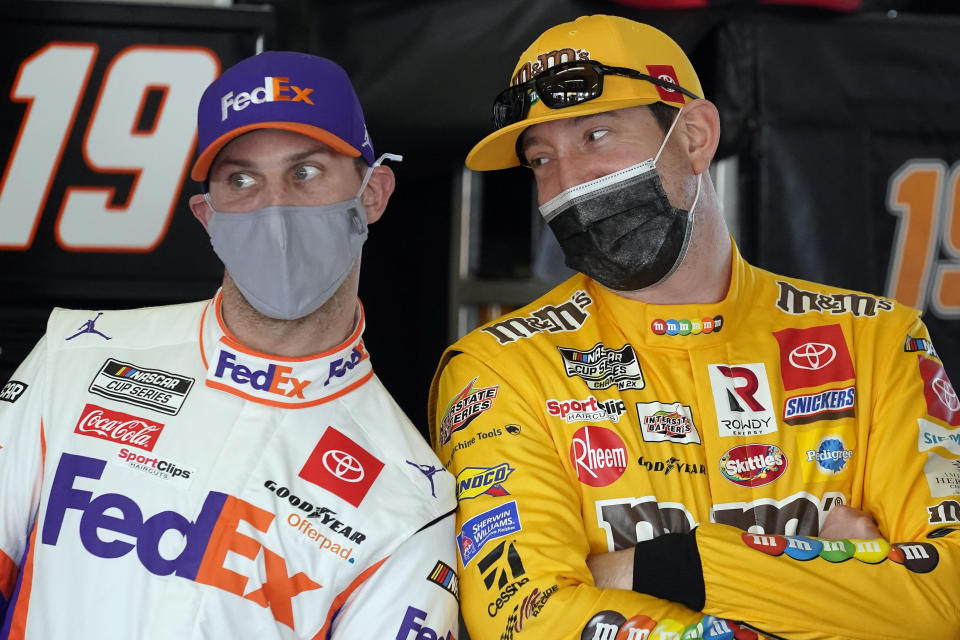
(904, 586)
(521, 541)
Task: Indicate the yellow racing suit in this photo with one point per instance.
(715, 438)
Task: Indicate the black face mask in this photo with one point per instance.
(621, 229)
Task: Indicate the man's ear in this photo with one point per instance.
(701, 132)
(201, 210)
(377, 192)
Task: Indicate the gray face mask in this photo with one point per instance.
(621, 229)
(287, 261)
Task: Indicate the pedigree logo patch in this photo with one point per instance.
(119, 427)
(342, 467)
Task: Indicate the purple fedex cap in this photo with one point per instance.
(281, 90)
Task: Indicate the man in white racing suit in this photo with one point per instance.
(233, 468)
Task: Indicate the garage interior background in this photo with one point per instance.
(839, 158)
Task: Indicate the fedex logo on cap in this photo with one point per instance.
(273, 89)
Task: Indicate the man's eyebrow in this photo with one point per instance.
(244, 163)
(527, 140)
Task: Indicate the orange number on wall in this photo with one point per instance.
(925, 195)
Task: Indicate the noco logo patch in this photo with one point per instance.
(813, 356)
(465, 407)
(341, 466)
(602, 368)
(667, 422)
(474, 482)
(753, 465)
(149, 388)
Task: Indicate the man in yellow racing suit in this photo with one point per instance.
(674, 444)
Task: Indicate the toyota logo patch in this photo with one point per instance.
(812, 356)
(343, 465)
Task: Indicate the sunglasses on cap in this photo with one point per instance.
(564, 85)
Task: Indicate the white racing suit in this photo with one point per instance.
(160, 480)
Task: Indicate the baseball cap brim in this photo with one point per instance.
(499, 149)
(201, 167)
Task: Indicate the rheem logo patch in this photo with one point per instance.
(342, 467)
(598, 456)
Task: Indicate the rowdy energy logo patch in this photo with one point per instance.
(465, 407)
(150, 388)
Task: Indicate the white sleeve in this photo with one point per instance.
(413, 595)
(21, 467)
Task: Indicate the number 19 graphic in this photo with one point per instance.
(52, 82)
(925, 194)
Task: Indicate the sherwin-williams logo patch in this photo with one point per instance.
(933, 435)
(813, 356)
(753, 465)
(667, 422)
(465, 407)
(602, 368)
(831, 404)
(491, 524)
(273, 89)
(118, 427)
(149, 388)
(473, 482)
(341, 466)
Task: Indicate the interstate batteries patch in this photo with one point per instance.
(151, 388)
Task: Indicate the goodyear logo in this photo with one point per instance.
(473, 482)
(273, 89)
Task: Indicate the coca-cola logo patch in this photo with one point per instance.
(598, 455)
(119, 427)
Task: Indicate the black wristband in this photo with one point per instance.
(669, 567)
